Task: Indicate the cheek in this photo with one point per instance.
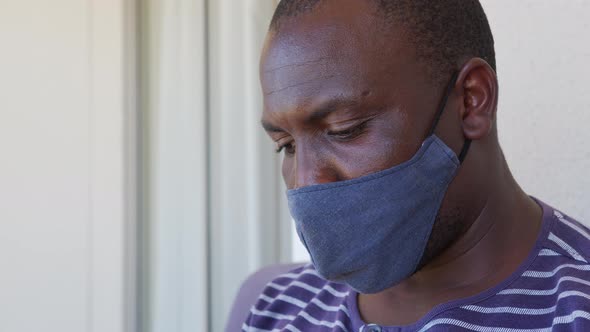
(390, 140)
(331, 161)
(287, 168)
(374, 153)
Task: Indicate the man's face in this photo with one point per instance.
(343, 97)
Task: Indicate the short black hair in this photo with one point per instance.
(445, 32)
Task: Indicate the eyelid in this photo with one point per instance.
(350, 133)
(349, 123)
(283, 138)
(350, 127)
(283, 142)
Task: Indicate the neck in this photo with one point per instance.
(504, 232)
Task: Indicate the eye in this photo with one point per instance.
(289, 148)
(349, 133)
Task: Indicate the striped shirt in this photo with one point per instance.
(550, 291)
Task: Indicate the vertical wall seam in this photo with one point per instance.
(176, 70)
(144, 185)
(132, 167)
(90, 226)
(208, 160)
(141, 277)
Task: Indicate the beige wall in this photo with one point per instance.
(544, 112)
(61, 165)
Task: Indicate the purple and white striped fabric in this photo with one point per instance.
(549, 292)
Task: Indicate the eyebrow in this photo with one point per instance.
(320, 113)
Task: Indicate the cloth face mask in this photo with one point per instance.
(371, 232)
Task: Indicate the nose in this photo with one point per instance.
(312, 168)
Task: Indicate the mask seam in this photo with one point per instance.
(451, 154)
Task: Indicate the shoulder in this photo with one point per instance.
(564, 256)
(559, 279)
(568, 239)
(552, 291)
(299, 300)
(249, 292)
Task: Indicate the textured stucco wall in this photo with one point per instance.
(543, 54)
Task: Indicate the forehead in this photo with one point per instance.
(333, 52)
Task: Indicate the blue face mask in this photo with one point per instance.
(371, 232)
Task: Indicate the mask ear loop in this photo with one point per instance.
(464, 150)
(440, 111)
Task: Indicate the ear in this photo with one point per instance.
(479, 85)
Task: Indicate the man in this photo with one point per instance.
(385, 111)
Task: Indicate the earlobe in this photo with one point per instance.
(480, 96)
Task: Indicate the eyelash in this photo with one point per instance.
(286, 148)
(343, 135)
(350, 133)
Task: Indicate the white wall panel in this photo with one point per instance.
(176, 143)
(61, 168)
(44, 166)
(109, 146)
(249, 228)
